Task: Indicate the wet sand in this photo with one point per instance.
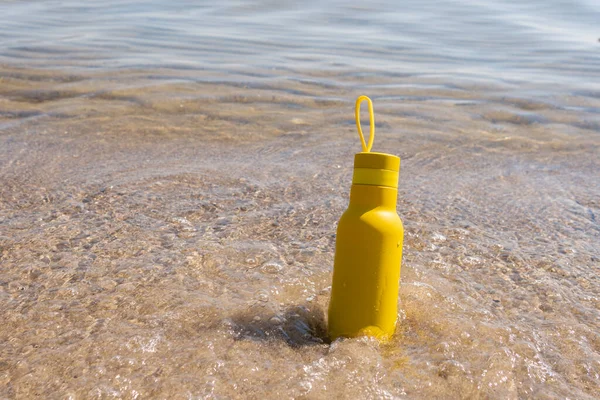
(175, 240)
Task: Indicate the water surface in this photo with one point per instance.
(171, 177)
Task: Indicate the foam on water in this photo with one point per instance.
(170, 184)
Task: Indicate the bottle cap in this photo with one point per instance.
(377, 161)
(372, 168)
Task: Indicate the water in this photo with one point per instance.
(171, 176)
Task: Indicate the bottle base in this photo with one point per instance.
(370, 331)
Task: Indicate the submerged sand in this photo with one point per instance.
(164, 235)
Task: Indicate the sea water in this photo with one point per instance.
(172, 173)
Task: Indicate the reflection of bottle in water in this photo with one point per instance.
(368, 251)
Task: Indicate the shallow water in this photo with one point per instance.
(171, 176)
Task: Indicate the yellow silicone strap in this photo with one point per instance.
(366, 147)
(378, 177)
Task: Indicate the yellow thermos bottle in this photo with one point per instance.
(368, 249)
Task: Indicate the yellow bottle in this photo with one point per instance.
(368, 250)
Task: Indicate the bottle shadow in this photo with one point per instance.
(298, 326)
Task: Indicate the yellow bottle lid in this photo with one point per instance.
(377, 161)
(371, 168)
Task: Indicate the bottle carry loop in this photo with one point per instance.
(372, 168)
(366, 148)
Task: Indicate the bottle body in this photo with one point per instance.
(368, 254)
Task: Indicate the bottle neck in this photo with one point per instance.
(371, 196)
